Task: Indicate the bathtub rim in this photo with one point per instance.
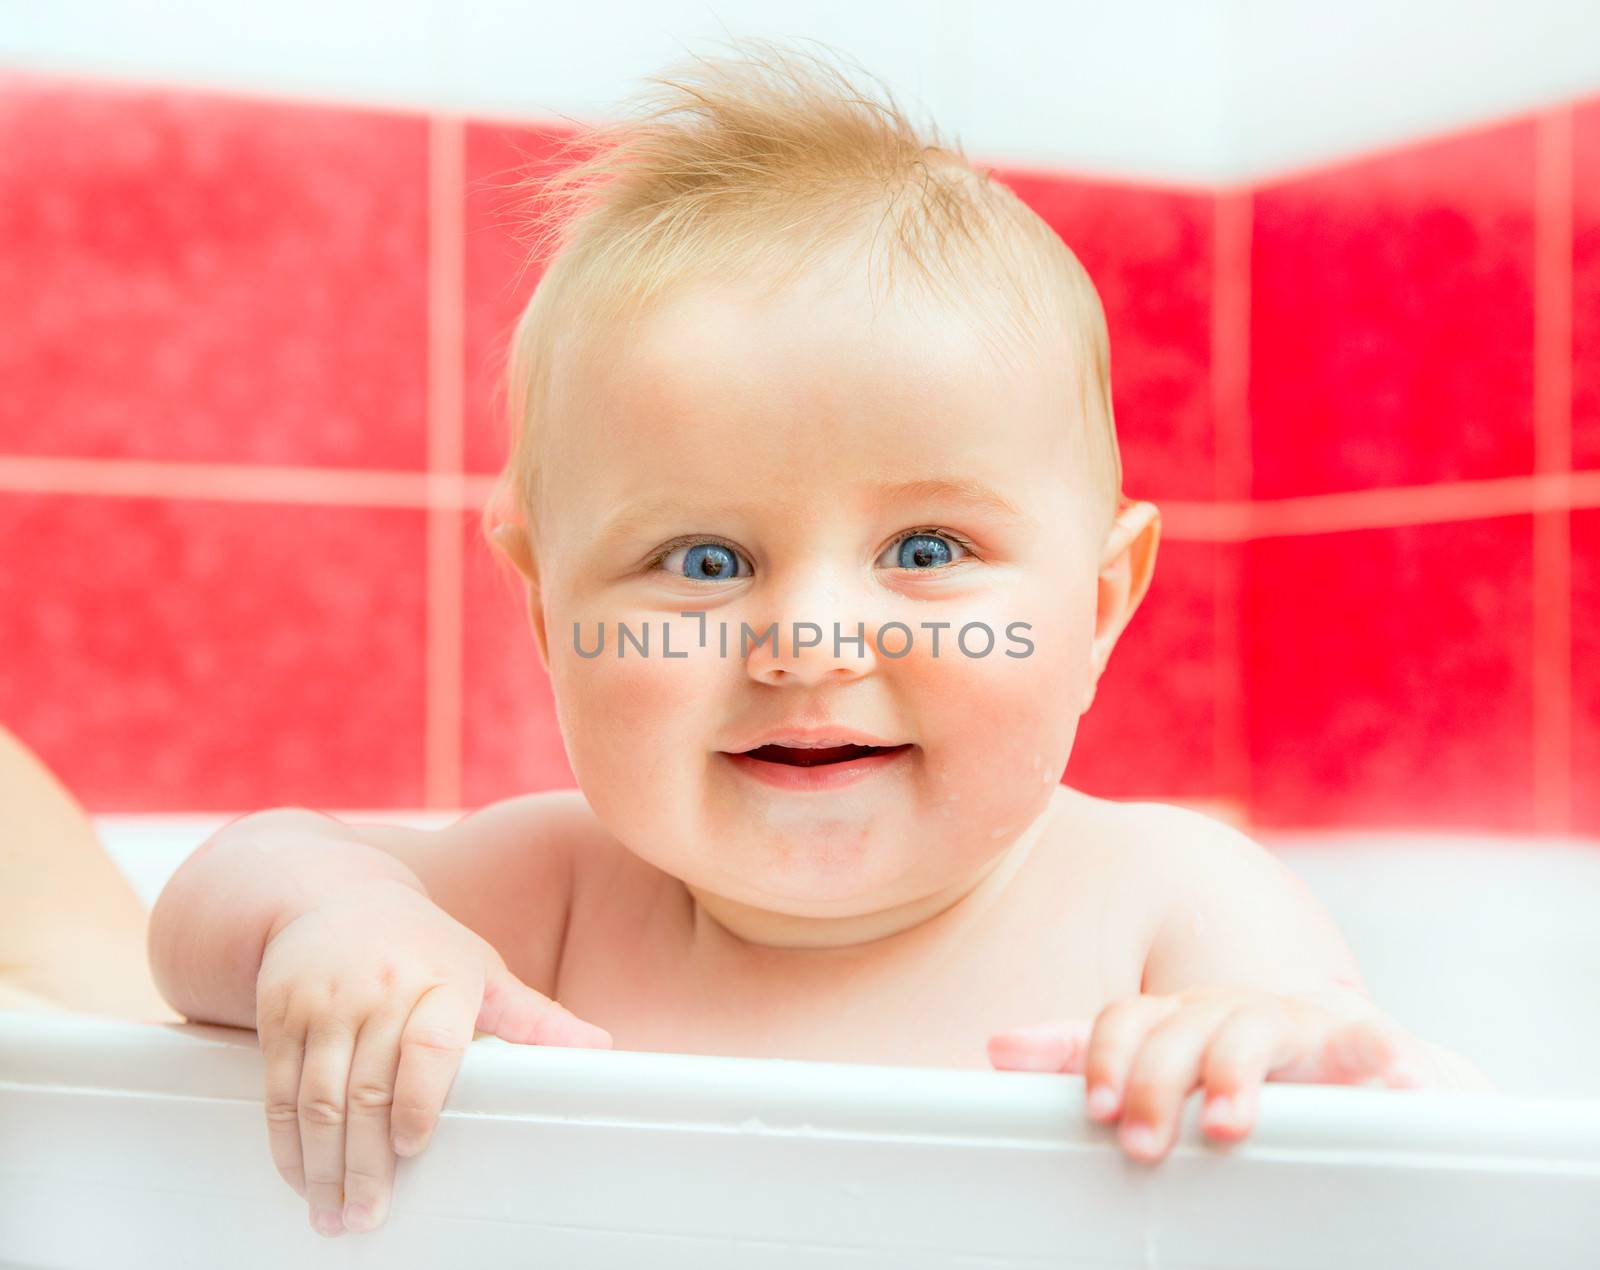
(58, 1053)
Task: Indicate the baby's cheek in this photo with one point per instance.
(998, 728)
(627, 719)
(1012, 711)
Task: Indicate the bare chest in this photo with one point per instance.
(637, 966)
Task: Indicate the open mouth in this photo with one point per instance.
(794, 756)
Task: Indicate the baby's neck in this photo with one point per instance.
(723, 920)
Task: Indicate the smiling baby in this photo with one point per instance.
(815, 499)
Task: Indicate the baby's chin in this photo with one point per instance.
(818, 862)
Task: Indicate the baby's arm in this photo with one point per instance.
(364, 956)
(72, 931)
(505, 872)
(1247, 978)
(1241, 918)
(1236, 914)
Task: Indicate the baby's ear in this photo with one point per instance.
(1127, 561)
(512, 540)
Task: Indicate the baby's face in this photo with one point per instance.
(740, 461)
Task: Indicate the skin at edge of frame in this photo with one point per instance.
(72, 930)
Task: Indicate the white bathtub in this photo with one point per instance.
(134, 1145)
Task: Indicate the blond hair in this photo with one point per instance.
(767, 163)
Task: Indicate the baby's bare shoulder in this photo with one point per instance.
(1229, 910)
(527, 835)
(1218, 893)
(1166, 846)
(538, 843)
(507, 871)
(1132, 823)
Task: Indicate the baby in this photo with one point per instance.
(823, 574)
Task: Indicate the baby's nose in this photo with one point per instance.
(810, 652)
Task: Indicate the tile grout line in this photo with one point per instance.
(131, 80)
(1385, 507)
(237, 482)
(1231, 441)
(1552, 435)
(445, 481)
(1183, 520)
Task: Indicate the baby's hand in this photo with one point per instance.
(364, 1007)
(1143, 1056)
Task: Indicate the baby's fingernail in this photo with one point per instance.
(358, 1217)
(405, 1146)
(327, 1222)
(1102, 1101)
(1218, 1111)
(1140, 1139)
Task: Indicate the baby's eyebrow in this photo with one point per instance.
(953, 489)
(963, 491)
(634, 519)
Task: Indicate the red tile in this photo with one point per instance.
(200, 277)
(1150, 731)
(1388, 677)
(497, 280)
(1149, 254)
(1586, 285)
(1586, 671)
(215, 656)
(511, 742)
(1392, 319)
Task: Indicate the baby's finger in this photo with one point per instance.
(283, 1050)
(513, 1011)
(431, 1045)
(368, 1149)
(1042, 1047)
(1118, 1032)
(1350, 1052)
(1376, 1048)
(324, 1078)
(1164, 1070)
(1244, 1049)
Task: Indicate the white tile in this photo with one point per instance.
(1176, 91)
(352, 50)
(1311, 82)
(1127, 89)
(509, 58)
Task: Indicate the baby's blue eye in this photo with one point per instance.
(704, 562)
(922, 552)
